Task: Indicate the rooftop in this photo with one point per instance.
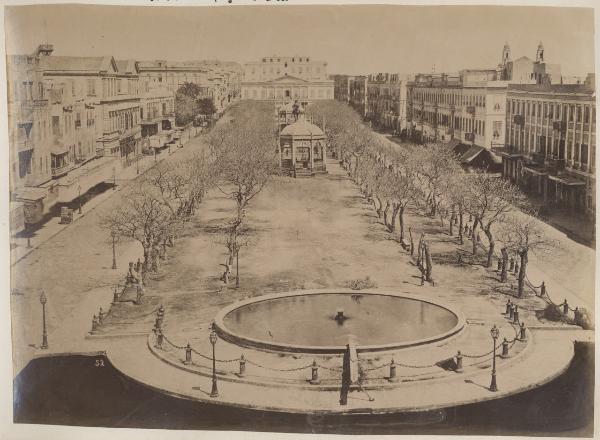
(302, 128)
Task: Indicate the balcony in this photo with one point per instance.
(23, 144)
(471, 109)
(538, 157)
(560, 126)
(556, 165)
(470, 137)
(62, 170)
(519, 120)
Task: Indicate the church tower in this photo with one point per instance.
(539, 56)
(505, 54)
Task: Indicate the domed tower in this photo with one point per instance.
(539, 56)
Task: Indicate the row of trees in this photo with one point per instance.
(190, 101)
(396, 177)
(239, 158)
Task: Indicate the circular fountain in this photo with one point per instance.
(323, 321)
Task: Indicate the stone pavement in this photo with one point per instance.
(549, 356)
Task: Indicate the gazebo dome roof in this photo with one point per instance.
(302, 128)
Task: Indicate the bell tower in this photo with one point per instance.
(505, 54)
(539, 56)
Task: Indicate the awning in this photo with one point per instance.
(58, 148)
(468, 156)
(567, 180)
(31, 194)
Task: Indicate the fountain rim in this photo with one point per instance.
(245, 341)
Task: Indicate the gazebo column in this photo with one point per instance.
(293, 157)
(312, 158)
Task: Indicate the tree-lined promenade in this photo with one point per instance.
(430, 179)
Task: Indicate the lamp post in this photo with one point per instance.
(213, 341)
(43, 301)
(114, 265)
(495, 333)
(79, 197)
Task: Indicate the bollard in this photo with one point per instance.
(94, 324)
(459, 365)
(511, 312)
(315, 374)
(523, 336)
(504, 349)
(516, 268)
(242, 372)
(543, 290)
(577, 317)
(188, 354)
(100, 316)
(565, 307)
(508, 306)
(511, 265)
(159, 339)
(393, 377)
(516, 315)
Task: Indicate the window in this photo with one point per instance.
(586, 117)
(584, 154)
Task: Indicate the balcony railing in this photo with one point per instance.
(471, 109)
(469, 137)
(538, 157)
(556, 165)
(62, 170)
(559, 126)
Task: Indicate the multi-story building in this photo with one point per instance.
(551, 142)
(358, 94)
(341, 87)
(157, 114)
(386, 100)
(29, 135)
(74, 124)
(217, 80)
(468, 108)
(283, 79)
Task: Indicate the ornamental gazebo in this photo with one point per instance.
(302, 149)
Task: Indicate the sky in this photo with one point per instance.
(352, 39)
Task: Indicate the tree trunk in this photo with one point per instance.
(385, 213)
(452, 218)
(412, 244)
(147, 251)
(401, 220)
(504, 267)
(420, 252)
(392, 225)
(441, 213)
(433, 206)
(474, 237)
(380, 208)
(461, 226)
(524, 258)
(490, 254)
(428, 264)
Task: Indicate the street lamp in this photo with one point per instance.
(213, 341)
(114, 265)
(495, 333)
(43, 301)
(79, 197)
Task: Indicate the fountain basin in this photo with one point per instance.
(305, 321)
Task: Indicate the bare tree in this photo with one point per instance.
(522, 233)
(490, 199)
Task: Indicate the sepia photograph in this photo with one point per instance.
(280, 217)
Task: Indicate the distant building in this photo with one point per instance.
(551, 142)
(466, 109)
(386, 101)
(282, 79)
(341, 87)
(218, 80)
(527, 71)
(358, 94)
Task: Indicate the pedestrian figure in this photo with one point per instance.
(226, 273)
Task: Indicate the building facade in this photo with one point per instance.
(386, 101)
(157, 114)
(218, 80)
(358, 95)
(550, 146)
(469, 108)
(281, 79)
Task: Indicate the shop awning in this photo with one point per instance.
(58, 148)
(468, 156)
(31, 194)
(567, 180)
